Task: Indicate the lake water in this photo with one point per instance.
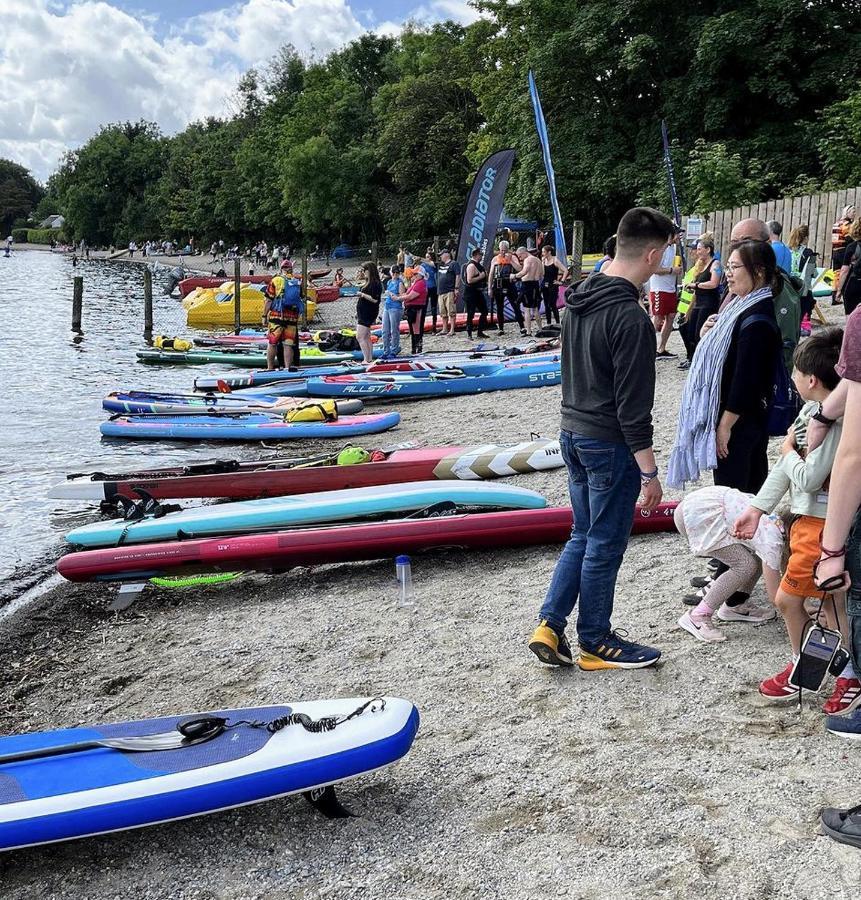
(53, 382)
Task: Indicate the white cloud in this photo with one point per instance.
(67, 70)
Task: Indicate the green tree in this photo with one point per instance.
(107, 189)
(840, 143)
(19, 194)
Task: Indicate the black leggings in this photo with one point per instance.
(808, 301)
(696, 320)
(474, 304)
(550, 292)
(416, 318)
(500, 295)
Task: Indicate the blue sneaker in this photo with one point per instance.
(614, 652)
(845, 726)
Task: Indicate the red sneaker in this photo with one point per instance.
(777, 688)
(846, 697)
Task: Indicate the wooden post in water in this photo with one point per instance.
(77, 302)
(303, 289)
(237, 296)
(576, 251)
(147, 302)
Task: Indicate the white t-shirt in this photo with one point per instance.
(665, 283)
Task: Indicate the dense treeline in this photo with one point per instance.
(380, 139)
(19, 194)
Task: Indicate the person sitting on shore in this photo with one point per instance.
(340, 279)
(706, 519)
(805, 475)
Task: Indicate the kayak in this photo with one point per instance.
(242, 427)
(94, 779)
(187, 285)
(235, 480)
(308, 509)
(137, 402)
(251, 357)
(435, 384)
(207, 307)
(283, 550)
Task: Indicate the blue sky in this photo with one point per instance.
(68, 68)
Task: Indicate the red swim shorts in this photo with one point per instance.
(663, 303)
(285, 330)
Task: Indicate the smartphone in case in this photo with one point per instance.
(818, 649)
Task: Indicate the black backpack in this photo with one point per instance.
(854, 275)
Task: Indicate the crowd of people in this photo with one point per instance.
(743, 340)
(520, 286)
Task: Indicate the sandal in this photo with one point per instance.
(843, 825)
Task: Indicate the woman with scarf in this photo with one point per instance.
(723, 420)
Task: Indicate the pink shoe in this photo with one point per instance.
(806, 326)
(701, 628)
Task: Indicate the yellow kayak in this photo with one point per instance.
(215, 307)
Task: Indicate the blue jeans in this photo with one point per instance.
(392, 331)
(604, 483)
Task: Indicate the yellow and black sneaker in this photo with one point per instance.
(614, 652)
(550, 647)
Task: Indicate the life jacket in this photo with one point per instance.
(162, 342)
(352, 456)
(284, 293)
(686, 297)
(502, 272)
(319, 411)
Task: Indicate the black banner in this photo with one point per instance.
(484, 207)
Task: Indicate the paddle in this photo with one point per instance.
(186, 734)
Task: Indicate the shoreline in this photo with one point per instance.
(671, 781)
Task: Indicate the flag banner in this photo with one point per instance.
(674, 197)
(540, 124)
(484, 207)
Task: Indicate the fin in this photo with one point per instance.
(326, 802)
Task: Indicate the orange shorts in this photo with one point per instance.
(804, 550)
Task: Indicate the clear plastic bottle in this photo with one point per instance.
(404, 574)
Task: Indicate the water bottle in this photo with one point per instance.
(404, 574)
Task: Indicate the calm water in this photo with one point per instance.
(53, 382)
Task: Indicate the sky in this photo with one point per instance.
(66, 68)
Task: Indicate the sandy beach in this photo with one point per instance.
(523, 782)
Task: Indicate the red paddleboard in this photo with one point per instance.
(280, 551)
(230, 479)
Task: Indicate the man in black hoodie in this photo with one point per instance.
(608, 390)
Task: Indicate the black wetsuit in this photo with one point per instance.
(550, 292)
(473, 299)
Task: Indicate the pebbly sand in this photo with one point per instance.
(523, 782)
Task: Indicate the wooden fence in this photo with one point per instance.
(818, 211)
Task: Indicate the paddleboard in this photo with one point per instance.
(307, 509)
(104, 789)
(370, 386)
(251, 357)
(242, 427)
(281, 551)
(136, 402)
(231, 479)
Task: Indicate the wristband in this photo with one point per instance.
(821, 417)
(648, 477)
